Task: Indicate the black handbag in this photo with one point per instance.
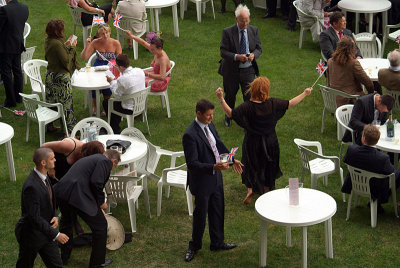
(121, 143)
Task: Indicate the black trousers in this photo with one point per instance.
(49, 254)
(223, 4)
(214, 205)
(98, 226)
(292, 15)
(115, 119)
(10, 65)
(231, 85)
(271, 7)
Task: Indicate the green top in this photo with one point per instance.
(60, 58)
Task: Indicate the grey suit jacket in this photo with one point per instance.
(328, 40)
(230, 46)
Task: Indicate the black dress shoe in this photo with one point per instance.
(222, 10)
(268, 15)
(189, 255)
(106, 263)
(225, 246)
(290, 28)
(228, 121)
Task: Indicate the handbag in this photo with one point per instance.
(121, 143)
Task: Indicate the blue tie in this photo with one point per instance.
(243, 49)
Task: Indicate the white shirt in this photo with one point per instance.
(131, 80)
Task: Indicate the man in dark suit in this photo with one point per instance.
(390, 77)
(12, 22)
(368, 158)
(80, 192)
(202, 147)
(240, 47)
(36, 229)
(329, 38)
(368, 109)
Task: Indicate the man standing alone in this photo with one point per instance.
(12, 22)
(240, 47)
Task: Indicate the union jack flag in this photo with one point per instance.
(97, 20)
(321, 67)
(117, 19)
(19, 112)
(231, 154)
(397, 40)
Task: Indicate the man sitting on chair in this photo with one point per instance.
(368, 158)
(390, 77)
(130, 81)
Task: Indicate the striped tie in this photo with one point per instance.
(243, 48)
(213, 147)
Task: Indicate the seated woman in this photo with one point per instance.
(107, 10)
(109, 48)
(161, 63)
(345, 73)
(314, 8)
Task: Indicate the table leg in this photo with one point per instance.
(384, 23)
(304, 264)
(10, 161)
(175, 18)
(328, 238)
(152, 19)
(98, 103)
(182, 8)
(157, 22)
(371, 22)
(288, 236)
(198, 10)
(357, 23)
(263, 243)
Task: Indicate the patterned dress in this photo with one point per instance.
(158, 85)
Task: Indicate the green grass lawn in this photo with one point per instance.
(162, 241)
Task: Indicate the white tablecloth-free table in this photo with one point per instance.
(368, 7)
(390, 145)
(314, 207)
(6, 134)
(156, 5)
(90, 81)
(371, 66)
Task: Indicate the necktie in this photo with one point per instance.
(50, 191)
(213, 146)
(340, 35)
(243, 49)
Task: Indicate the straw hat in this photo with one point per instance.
(115, 233)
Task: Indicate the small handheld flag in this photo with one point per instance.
(97, 20)
(19, 112)
(397, 40)
(117, 20)
(321, 67)
(231, 154)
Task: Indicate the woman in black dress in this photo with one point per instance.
(260, 151)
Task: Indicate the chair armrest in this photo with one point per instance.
(173, 155)
(166, 170)
(393, 26)
(313, 143)
(148, 69)
(134, 19)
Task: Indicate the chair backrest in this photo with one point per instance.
(329, 97)
(76, 15)
(369, 45)
(31, 103)
(81, 127)
(27, 55)
(305, 153)
(139, 101)
(299, 11)
(32, 70)
(343, 115)
(126, 23)
(136, 133)
(170, 70)
(396, 95)
(92, 59)
(27, 30)
(119, 185)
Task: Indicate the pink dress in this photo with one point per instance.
(158, 85)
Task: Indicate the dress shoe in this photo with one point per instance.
(7, 105)
(189, 255)
(225, 246)
(222, 10)
(290, 28)
(268, 15)
(228, 121)
(106, 263)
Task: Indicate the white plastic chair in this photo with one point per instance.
(200, 7)
(25, 56)
(163, 94)
(126, 23)
(303, 27)
(81, 127)
(32, 70)
(139, 107)
(390, 35)
(27, 31)
(360, 187)
(329, 97)
(396, 95)
(40, 112)
(343, 115)
(76, 17)
(318, 164)
(124, 188)
(369, 45)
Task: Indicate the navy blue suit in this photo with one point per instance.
(205, 184)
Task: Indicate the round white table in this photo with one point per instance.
(368, 7)
(92, 80)
(388, 145)
(156, 5)
(314, 207)
(371, 66)
(136, 151)
(6, 134)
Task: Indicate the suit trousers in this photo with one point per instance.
(10, 65)
(214, 205)
(232, 82)
(49, 254)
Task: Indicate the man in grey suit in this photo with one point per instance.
(329, 38)
(390, 77)
(240, 47)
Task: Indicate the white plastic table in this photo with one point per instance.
(136, 151)
(314, 207)
(156, 5)
(368, 7)
(371, 66)
(92, 80)
(390, 145)
(6, 134)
